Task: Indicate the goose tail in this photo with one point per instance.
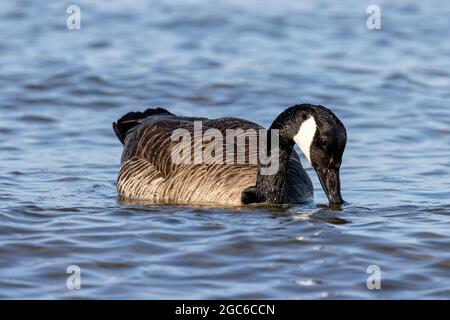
(131, 119)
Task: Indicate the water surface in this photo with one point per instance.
(61, 89)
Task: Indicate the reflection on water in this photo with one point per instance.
(61, 89)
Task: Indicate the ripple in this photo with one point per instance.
(308, 282)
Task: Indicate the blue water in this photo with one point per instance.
(61, 89)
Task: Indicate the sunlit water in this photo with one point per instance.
(61, 89)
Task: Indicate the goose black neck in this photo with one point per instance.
(270, 187)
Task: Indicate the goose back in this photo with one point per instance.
(148, 173)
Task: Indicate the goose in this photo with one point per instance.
(149, 173)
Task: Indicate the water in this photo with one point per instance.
(61, 89)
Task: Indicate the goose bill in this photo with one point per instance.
(329, 179)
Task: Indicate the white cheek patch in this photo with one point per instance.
(305, 136)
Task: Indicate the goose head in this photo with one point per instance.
(322, 138)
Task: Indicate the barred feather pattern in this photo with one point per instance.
(148, 174)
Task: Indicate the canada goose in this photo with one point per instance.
(148, 172)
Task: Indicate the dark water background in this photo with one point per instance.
(60, 90)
